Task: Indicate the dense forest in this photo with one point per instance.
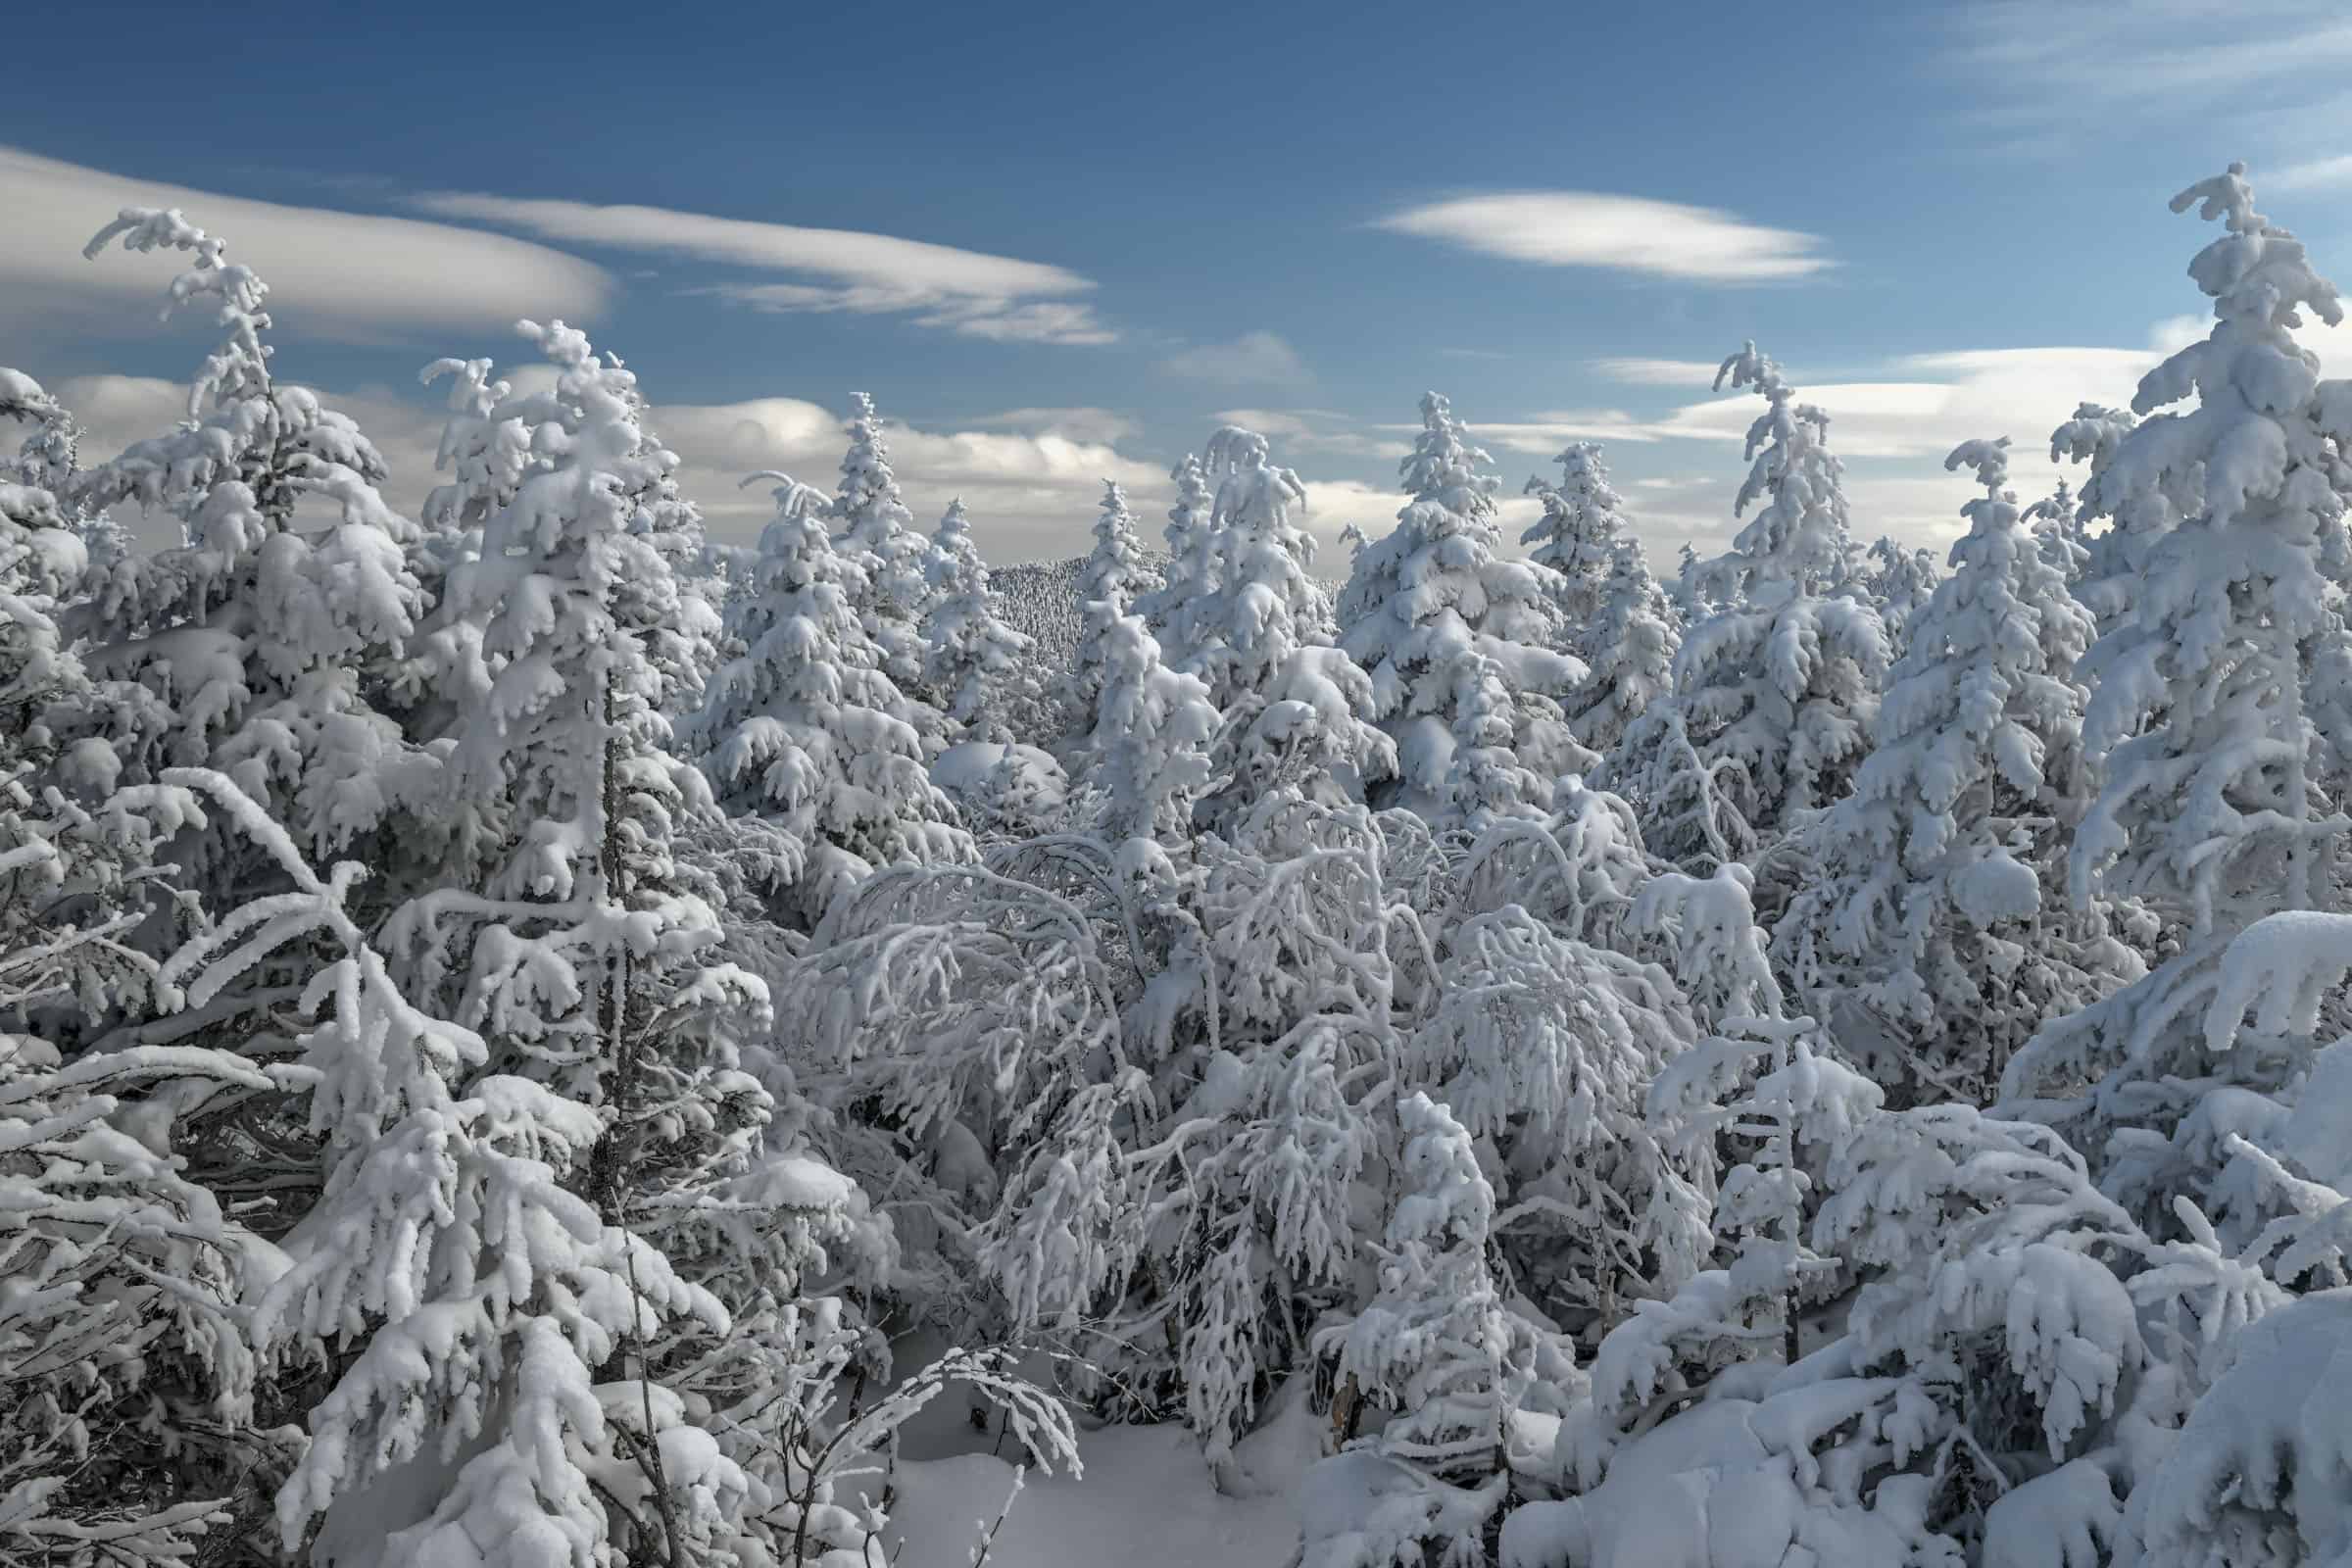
(531, 1035)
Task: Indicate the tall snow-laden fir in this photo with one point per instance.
(875, 532)
(805, 732)
(1110, 583)
(1933, 935)
(1265, 602)
(1188, 590)
(1898, 582)
(980, 668)
(1460, 644)
(2198, 713)
(2208, 805)
(1577, 535)
(1613, 616)
(259, 647)
(1774, 691)
(1153, 726)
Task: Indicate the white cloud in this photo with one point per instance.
(1253, 359)
(2318, 173)
(1314, 430)
(1659, 372)
(1626, 233)
(1098, 426)
(1544, 434)
(2150, 49)
(338, 275)
(2022, 393)
(968, 292)
(2073, 77)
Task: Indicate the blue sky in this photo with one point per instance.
(1065, 242)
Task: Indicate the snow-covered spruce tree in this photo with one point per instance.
(1630, 653)
(875, 533)
(50, 460)
(2136, 515)
(1150, 750)
(1990, 1394)
(1112, 577)
(1613, 615)
(1687, 592)
(571, 941)
(498, 1314)
(2056, 522)
(1774, 692)
(1434, 1343)
(2197, 708)
(2207, 806)
(981, 668)
(127, 1382)
(1191, 581)
(265, 646)
(488, 1294)
(1265, 604)
(1577, 538)
(1933, 934)
(1460, 644)
(806, 732)
(1899, 581)
(2025, 1372)
(1308, 731)
(1767, 1086)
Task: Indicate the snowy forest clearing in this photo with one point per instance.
(530, 1036)
(1145, 1498)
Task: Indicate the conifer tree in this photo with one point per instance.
(805, 730)
(1459, 642)
(1152, 727)
(1171, 610)
(875, 532)
(982, 669)
(2198, 687)
(1935, 937)
(264, 646)
(1435, 1339)
(1112, 577)
(1774, 692)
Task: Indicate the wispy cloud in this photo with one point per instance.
(1078, 425)
(1621, 233)
(2051, 79)
(1253, 359)
(344, 276)
(1317, 431)
(1658, 372)
(968, 292)
(2122, 50)
(2320, 173)
(1542, 436)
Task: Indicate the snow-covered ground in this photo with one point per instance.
(1144, 1501)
